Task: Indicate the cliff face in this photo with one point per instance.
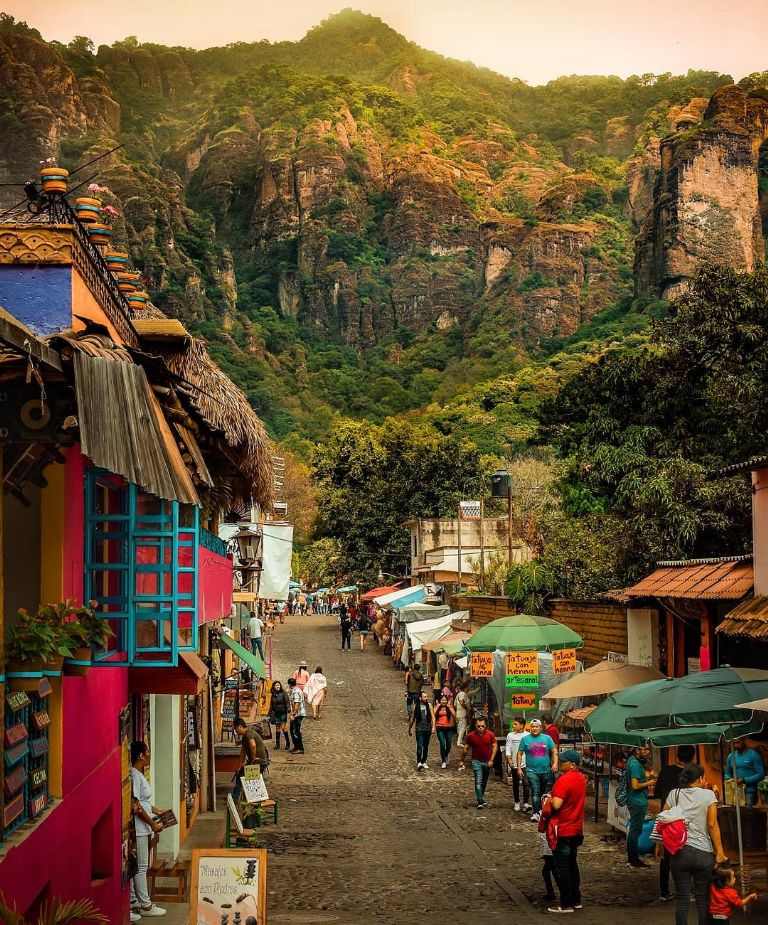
(705, 204)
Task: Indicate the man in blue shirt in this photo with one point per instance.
(638, 783)
(749, 769)
(540, 756)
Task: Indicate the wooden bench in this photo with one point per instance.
(235, 828)
(177, 871)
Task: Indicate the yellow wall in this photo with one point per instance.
(86, 306)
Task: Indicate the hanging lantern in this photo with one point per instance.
(54, 179)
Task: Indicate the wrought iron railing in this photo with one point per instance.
(213, 543)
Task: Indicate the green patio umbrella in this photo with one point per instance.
(523, 633)
(608, 723)
(701, 698)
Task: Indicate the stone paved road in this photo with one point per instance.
(364, 838)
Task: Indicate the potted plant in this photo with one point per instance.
(137, 299)
(53, 178)
(88, 631)
(88, 208)
(61, 618)
(54, 912)
(30, 644)
(117, 261)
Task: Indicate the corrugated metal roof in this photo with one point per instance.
(749, 618)
(123, 429)
(160, 328)
(728, 579)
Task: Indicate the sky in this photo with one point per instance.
(535, 40)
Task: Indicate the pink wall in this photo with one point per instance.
(214, 585)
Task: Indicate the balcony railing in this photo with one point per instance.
(213, 543)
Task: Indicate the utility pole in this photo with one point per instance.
(482, 545)
(458, 528)
(509, 520)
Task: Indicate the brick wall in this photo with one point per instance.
(602, 625)
(482, 607)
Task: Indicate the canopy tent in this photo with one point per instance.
(322, 590)
(452, 644)
(402, 597)
(757, 706)
(462, 662)
(294, 584)
(521, 633)
(606, 677)
(252, 661)
(413, 613)
(429, 630)
(346, 589)
(378, 592)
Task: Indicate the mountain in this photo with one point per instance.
(357, 226)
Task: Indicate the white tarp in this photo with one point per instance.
(418, 612)
(429, 630)
(276, 561)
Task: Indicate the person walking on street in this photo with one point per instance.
(145, 825)
(669, 780)
(301, 676)
(567, 808)
(316, 691)
(363, 627)
(279, 709)
(298, 712)
(638, 782)
(695, 861)
(445, 717)
(345, 625)
(749, 769)
(414, 681)
(484, 746)
(550, 729)
(540, 756)
(520, 786)
(463, 707)
(423, 717)
(255, 629)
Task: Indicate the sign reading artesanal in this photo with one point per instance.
(228, 884)
(564, 661)
(521, 669)
(481, 665)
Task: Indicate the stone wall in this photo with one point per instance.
(483, 608)
(601, 624)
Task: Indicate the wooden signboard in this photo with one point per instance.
(522, 701)
(481, 665)
(229, 882)
(564, 661)
(521, 670)
(265, 697)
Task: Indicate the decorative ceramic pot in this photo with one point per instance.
(53, 665)
(24, 676)
(138, 299)
(54, 179)
(88, 209)
(80, 663)
(117, 261)
(99, 234)
(125, 282)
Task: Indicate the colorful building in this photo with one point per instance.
(121, 443)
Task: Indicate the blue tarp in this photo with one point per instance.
(346, 588)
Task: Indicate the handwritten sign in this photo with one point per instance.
(521, 669)
(254, 790)
(481, 665)
(228, 884)
(522, 702)
(564, 661)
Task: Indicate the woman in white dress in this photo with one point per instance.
(316, 691)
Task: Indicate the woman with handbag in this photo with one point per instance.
(279, 708)
(692, 866)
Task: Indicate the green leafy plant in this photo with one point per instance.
(54, 912)
(65, 620)
(98, 631)
(31, 640)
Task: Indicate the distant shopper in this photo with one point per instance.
(414, 681)
(723, 896)
(638, 782)
(463, 707)
(520, 786)
(423, 718)
(255, 629)
(669, 780)
(298, 712)
(483, 745)
(363, 627)
(550, 729)
(540, 763)
(345, 625)
(279, 710)
(301, 676)
(316, 691)
(252, 751)
(695, 862)
(567, 807)
(749, 769)
(145, 825)
(445, 717)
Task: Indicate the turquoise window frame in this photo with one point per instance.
(174, 534)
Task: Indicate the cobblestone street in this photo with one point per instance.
(363, 837)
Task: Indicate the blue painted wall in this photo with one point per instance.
(39, 297)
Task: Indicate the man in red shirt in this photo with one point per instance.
(550, 729)
(567, 805)
(484, 747)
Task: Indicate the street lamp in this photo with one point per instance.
(248, 543)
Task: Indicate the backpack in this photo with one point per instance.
(622, 789)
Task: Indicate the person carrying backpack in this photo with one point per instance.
(637, 783)
(702, 847)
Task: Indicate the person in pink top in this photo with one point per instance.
(301, 676)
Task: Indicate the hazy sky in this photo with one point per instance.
(532, 39)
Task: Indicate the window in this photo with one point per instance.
(141, 568)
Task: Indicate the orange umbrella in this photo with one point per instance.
(606, 677)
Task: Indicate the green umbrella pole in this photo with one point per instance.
(736, 800)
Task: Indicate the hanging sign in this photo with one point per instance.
(522, 702)
(481, 665)
(564, 661)
(265, 697)
(521, 670)
(228, 884)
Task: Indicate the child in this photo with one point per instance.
(723, 898)
(548, 871)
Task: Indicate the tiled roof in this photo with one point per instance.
(703, 579)
(749, 618)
